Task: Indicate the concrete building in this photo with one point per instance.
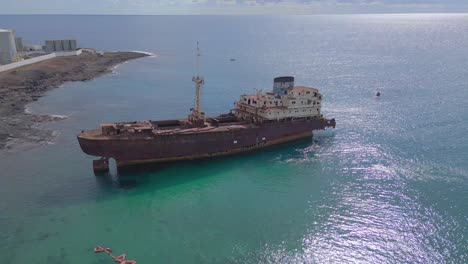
(60, 45)
(7, 46)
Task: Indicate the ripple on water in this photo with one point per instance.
(370, 214)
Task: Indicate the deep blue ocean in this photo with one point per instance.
(388, 185)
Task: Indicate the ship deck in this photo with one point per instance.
(151, 129)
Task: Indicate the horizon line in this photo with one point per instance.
(237, 14)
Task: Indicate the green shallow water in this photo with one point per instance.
(388, 185)
(196, 207)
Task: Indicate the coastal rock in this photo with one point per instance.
(47, 118)
(26, 84)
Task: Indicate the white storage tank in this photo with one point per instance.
(73, 45)
(58, 45)
(49, 46)
(7, 46)
(66, 45)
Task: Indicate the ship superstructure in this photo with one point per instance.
(286, 102)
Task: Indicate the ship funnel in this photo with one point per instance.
(282, 84)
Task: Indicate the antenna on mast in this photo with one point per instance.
(198, 60)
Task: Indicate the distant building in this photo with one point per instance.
(60, 45)
(19, 44)
(33, 48)
(7, 46)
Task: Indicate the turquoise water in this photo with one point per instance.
(388, 185)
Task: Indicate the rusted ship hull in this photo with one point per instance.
(173, 147)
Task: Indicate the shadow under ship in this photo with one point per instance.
(263, 119)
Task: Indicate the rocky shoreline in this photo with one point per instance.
(26, 84)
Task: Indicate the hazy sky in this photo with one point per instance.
(229, 6)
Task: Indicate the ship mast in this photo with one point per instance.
(197, 117)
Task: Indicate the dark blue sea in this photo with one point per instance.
(388, 185)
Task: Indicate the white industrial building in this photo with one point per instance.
(7, 47)
(14, 53)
